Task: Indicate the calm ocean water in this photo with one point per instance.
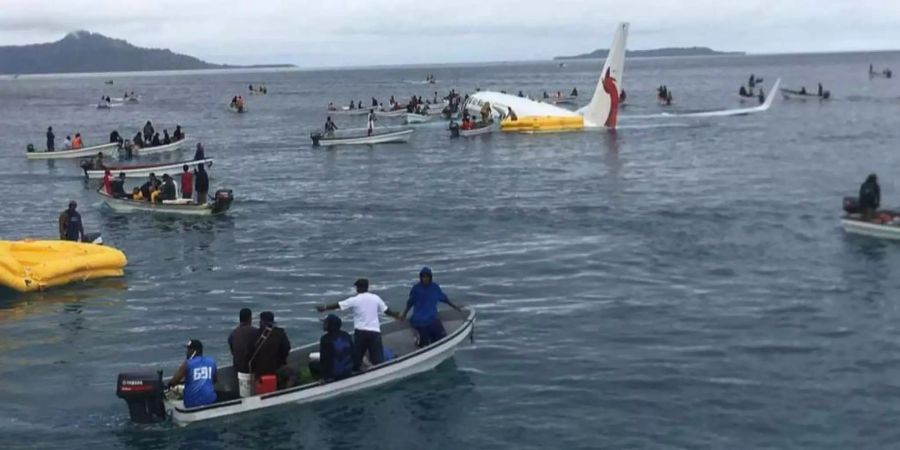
(677, 284)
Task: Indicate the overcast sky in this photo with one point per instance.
(313, 33)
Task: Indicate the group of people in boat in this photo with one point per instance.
(664, 95)
(558, 96)
(68, 144)
(262, 352)
(149, 137)
(430, 79)
(237, 103)
(156, 190)
(259, 89)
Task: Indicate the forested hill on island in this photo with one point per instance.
(668, 51)
(83, 51)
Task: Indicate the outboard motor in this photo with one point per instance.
(851, 205)
(316, 136)
(222, 200)
(30, 148)
(144, 394)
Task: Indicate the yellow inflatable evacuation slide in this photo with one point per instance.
(547, 124)
(28, 266)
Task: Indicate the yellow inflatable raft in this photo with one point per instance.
(28, 266)
(543, 124)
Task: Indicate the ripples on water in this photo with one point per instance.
(677, 284)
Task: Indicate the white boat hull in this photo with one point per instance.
(401, 136)
(403, 366)
(876, 230)
(145, 170)
(160, 148)
(111, 149)
(121, 205)
(416, 118)
(479, 131)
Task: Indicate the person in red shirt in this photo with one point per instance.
(107, 182)
(187, 183)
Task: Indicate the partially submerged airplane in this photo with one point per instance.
(535, 116)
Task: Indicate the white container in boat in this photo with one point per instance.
(245, 384)
(314, 356)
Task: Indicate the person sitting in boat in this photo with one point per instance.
(521, 94)
(148, 132)
(546, 96)
(335, 350)
(511, 114)
(370, 125)
(352, 105)
(743, 91)
(199, 374)
(169, 190)
(869, 196)
(466, 124)
(270, 351)
(366, 308)
(67, 144)
(70, 226)
(117, 187)
(148, 187)
(359, 104)
(76, 143)
(155, 141)
(166, 140)
(136, 194)
(178, 134)
(423, 300)
(803, 90)
(574, 92)
(329, 127)
(331, 106)
(115, 137)
(138, 140)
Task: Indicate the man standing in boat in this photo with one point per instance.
(367, 308)
(70, 226)
(370, 128)
(423, 300)
(51, 138)
(240, 342)
(869, 196)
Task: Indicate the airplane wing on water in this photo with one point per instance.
(717, 113)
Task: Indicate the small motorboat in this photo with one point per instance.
(790, 94)
(110, 149)
(883, 224)
(480, 129)
(389, 114)
(149, 403)
(218, 204)
(155, 150)
(104, 105)
(142, 170)
(345, 111)
(412, 118)
(358, 136)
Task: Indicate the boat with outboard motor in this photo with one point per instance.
(142, 170)
(110, 149)
(157, 149)
(149, 403)
(218, 204)
(883, 224)
(358, 136)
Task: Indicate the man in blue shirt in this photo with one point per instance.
(423, 300)
(199, 374)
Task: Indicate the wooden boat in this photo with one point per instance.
(147, 404)
(143, 170)
(110, 149)
(219, 204)
(358, 136)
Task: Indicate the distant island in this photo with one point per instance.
(668, 51)
(83, 51)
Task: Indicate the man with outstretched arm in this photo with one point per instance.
(366, 308)
(423, 300)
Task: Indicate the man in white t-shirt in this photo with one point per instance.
(367, 309)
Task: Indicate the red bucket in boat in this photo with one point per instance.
(266, 384)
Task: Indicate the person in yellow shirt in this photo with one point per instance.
(136, 194)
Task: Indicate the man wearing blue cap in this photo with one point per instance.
(423, 300)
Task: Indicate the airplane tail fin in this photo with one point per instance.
(603, 109)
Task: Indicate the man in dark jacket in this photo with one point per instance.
(335, 350)
(240, 342)
(201, 184)
(70, 224)
(869, 196)
(270, 350)
(148, 132)
(169, 192)
(50, 140)
(118, 186)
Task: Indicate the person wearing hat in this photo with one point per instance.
(199, 374)
(423, 300)
(70, 226)
(366, 308)
(335, 350)
(270, 350)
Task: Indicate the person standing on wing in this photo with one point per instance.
(367, 308)
(423, 300)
